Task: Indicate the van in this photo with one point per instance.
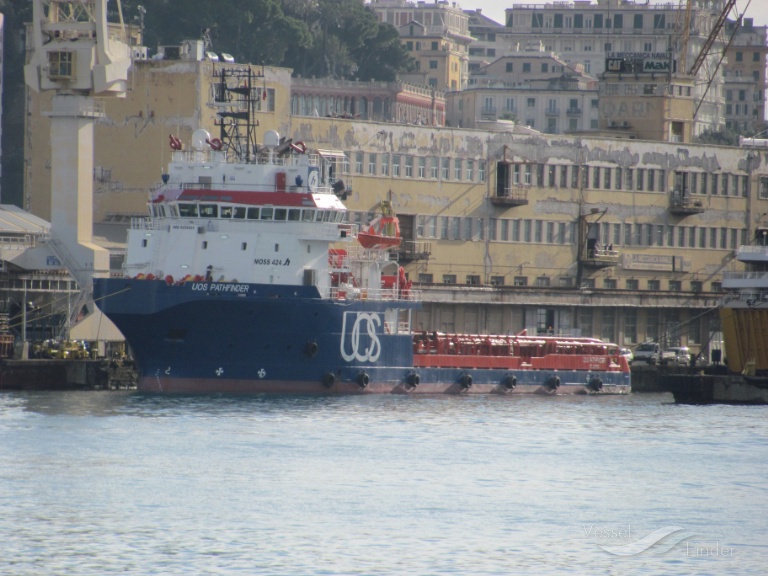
(682, 355)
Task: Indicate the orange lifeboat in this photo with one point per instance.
(383, 231)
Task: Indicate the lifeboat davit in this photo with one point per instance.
(382, 232)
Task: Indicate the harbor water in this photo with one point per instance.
(95, 483)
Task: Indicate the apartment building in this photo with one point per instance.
(534, 88)
(436, 35)
(592, 33)
(745, 79)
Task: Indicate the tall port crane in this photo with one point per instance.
(79, 58)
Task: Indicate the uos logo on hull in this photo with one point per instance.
(361, 342)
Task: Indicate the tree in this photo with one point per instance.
(722, 137)
(12, 184)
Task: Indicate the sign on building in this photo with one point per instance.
(640, 62)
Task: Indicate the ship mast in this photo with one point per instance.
(236, 97)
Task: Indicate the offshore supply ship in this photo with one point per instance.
(246, 277)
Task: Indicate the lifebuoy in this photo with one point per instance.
(174, 142)
(215, 144)
(299, 147)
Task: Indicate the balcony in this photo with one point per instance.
(573, 111)
(601, 258)
(511, 197)
(682, 205)
(410, 251)
(488, 113)
(552, 112)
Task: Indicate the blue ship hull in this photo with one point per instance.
(208, 337)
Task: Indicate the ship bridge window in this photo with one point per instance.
(281, 214)
(209, 210)
(239, 212)
(173, 210)
(226, 211)
(294, 214)
(188, 210)
(326, 215)
(308, 215)
(253, 213)
(266, 213)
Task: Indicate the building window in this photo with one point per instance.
(481, 170)
(697, 285)
(630, 326)
(470, 170)
(449, 278)
(396, 165)
(763, 188)
(610, 284)
(542, 281)
(372, 164)
(433, 64)
(497, 280)
(520, 281)
(526, 66)
(409, 166)
(433, 169)
(633, 284)
(358, 162)
(510, 67)
(61, 65)
(425, 278)
(675, 286)
(654, 285)
(473, 280)
(446, 162)
(457, 169)
(385, 164)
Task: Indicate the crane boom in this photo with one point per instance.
(712, 37)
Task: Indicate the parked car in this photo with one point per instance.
(682, 355)
(651, 353)
(627, 353)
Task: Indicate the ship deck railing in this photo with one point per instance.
(192, 156)
(245, 187)
(761, 275)
(393, 294)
